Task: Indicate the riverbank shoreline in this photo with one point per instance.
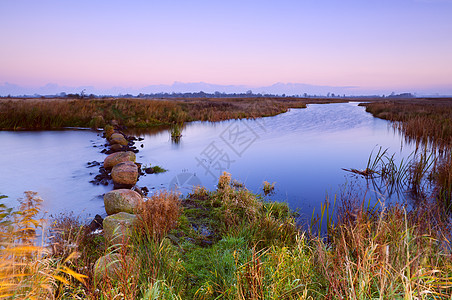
(235, 244)
(56, 113)
(136, 113)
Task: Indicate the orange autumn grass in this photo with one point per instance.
(28, 271)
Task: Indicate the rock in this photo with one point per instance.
(138, 190)
(118, 227)
(116, 135)
(117, 138)
(114, 266)
(125, 173)
(102, 178)
(95, 224)
(116, 147)
(121, 200)
(144, 191)
(118, 157)
(93, 164)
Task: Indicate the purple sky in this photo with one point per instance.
(376, 45)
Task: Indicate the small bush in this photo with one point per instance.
(159, 214)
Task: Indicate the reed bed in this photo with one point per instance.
(427, 122)
(387, 253)
(17, 114)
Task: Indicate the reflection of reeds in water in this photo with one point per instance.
(428, 122)
(419, 176)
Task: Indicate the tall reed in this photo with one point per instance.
(27, 269)
(428, 122)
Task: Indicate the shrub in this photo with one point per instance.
(159, 214)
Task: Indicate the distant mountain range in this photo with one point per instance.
(181, 87)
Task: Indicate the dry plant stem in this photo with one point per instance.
(28, 271)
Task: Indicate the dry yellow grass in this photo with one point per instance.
(28, 270)
(16, 114)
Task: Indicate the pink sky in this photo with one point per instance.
(391, 45)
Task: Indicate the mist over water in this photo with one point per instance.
(303, 151)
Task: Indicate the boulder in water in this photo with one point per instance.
(122, 200)
(125, 173)
(118, 157)
(117, 138)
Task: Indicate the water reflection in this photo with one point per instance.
(54, 164)
(303, 151)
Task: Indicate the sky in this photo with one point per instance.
(370, 45)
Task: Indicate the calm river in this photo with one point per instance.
(303, 151)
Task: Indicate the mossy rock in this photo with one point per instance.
(122, 200)
(118, 228)
(117, 138)
(108, 131)
(114, 266)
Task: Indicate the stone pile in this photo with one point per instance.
(121, 203)
(121, 149)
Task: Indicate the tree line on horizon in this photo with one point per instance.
(201, 94)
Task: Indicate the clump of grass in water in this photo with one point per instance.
(176, 132)
(268, 188)
(409, 175)
(154, 169)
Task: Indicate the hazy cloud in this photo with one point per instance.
(183, 87)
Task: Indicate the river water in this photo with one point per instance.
(303, 151)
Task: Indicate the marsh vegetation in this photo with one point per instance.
(231, 243)
(16, 114)
(428, 122)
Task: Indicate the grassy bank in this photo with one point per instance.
(16, 114)
(427, 121)
(231, 244)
